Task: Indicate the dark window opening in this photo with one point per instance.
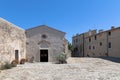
(93, 47)
(27, 43)
(44, 36)
(89, 39)
(106, 54)
(76, 40)
(109, 45)
(100, 43)
(89, 47)
(95, 37)
(109, 33)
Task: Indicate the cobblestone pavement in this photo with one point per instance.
(76, 69)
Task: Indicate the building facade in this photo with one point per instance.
(78, 44)
(44, 43)
(101, 44)
(41, 43)
(12, 42)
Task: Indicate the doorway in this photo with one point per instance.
(16, 55)
(43, 55)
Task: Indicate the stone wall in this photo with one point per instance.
(27, 44)
(54, 42)
(96, 45)
(101, 44)
(11, 38)
(114, 39)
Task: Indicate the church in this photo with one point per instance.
(44, 43)
(41, 43)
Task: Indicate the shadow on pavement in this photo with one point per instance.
(117, 60)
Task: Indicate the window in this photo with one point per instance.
(109, 45)
(89, 39)
(76, 40)
(27, 43)
(93, 47)
(89, 47)
(106, 54)
(44, 36)
(109, 33)
(100, 43)
(95, 37)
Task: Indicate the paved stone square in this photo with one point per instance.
(76, 69)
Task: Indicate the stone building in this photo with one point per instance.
(103, 43)
(96, 45)
(79, 43)
(12, 42)
(44, 44)
(41, 43)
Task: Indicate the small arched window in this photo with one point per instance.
(44, 36)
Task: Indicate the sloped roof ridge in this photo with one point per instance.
(11, 23)
(45, 26)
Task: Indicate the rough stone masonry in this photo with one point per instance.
(41, 43)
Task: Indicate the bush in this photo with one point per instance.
(22, 61)
(62, 58)
(14, 63)
(7, 65)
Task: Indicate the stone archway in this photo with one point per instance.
(44, 44)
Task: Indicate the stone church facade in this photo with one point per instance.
(42, 43)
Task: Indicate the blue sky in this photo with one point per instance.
(70, 16)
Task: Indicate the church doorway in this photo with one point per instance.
(44, 55)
